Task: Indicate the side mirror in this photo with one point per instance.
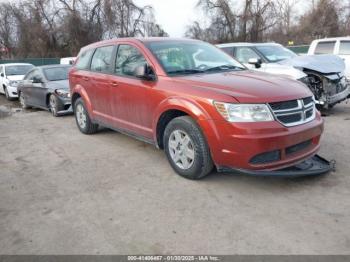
(2, 75)
(37, 80)
(255, 61)
(144, 72)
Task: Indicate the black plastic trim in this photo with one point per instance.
(312, 166)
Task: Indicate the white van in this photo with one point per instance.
(339, 46)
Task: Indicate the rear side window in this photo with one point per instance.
(344, 48)
(101, 61)
(84, 59)
(325, 48)
(128, 59)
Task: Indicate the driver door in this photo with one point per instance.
(131, 96)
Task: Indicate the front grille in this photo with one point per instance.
(284, 105)
(266, 157)
(290, 118)
(298, 147)
(294, 112)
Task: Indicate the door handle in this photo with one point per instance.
(85, 78)
(114, 84)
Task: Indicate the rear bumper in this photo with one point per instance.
(312, 166)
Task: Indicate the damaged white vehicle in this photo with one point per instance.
(323, 74)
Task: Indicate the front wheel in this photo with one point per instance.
(7, 94)
(22, 101)
(186, 148)
(83, 119)
(54, 105)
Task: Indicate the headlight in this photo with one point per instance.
(62, 93)
(13, 83)
(244, 112)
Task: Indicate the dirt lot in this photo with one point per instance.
(62, 192)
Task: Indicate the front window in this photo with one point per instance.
(128, 59)
(57, 73)
(243, 54)
(191, 57)
(275, 53)
(17, 69)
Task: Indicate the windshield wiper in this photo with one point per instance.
(185, 71)
(222, 67)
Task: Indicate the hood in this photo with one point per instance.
(249, 86)
(62, 84)
(324, 64)
(286, 70)
(15, 77)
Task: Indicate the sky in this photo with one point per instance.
(173, 15)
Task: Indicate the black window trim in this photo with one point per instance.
(112, 66)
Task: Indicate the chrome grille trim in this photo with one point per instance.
(300, 112)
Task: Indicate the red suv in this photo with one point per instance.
(197, 103)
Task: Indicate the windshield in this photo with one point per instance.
(57, 73)
(275, 53)
(187, 57)
(17, 69)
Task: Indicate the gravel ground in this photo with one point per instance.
(62, 192)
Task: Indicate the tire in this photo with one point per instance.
(184, 142)
(22, 101)
(7, 94)
(83, 119)
(54, 105)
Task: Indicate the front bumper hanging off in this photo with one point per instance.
(315, 165)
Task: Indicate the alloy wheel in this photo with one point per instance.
(52, 104)
(181, 149)
(81, 116)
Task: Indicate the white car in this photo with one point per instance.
(324, 75)
(10, 75)
(339, 46)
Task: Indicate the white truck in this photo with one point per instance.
(10, 75)
(339, 46)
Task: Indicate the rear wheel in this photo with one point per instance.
(186, 148)
(83, 119)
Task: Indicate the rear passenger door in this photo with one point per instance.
(101, 82)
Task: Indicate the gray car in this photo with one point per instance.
(46, 87)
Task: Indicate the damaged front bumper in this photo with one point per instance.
(66, 112)
(339, 97)
(312, 166)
